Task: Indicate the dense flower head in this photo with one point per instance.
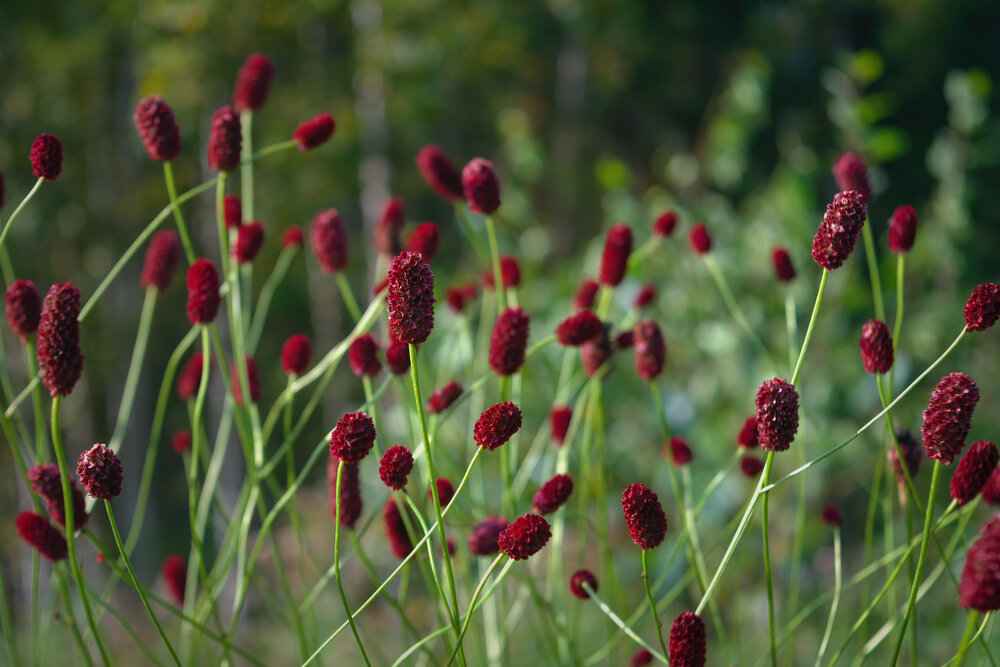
(559, 418)
(584, 297)
(253, 381)
(902, 229)
(293, 238)
(747, 437)
(782, 262)
(979, 588)
(457, 297)
(46, 157)
(699, 239)
(162, 259)
(45, 480)
(625, 340)
(687, 641)
(60, 362)
(362, 356)
(445, 491)
(851, 174)
(440, 172)
(24, 307)
(395, 530)
(578, 328)
(424, 241)
(838, 233)
(181, 441)
(483, 540)
(353, 437)
(397, 357)
(232, 211)
(395, 467)
(644, 517)
(596, 352)
(350, 492)
(948, 416)
(553, 494)
(645, 296)
(314, 132)
(189, 379)
(973, 471)
(496, 425)
(991, 490)
(154, 120)
(329, 240)
(253, 82)
(510, 273)
(777, 414)
(295, 354)
(650, 350)
(249, 239)
(386, 234)
(203, 292)
(224, 140)
(832, 517)
(174, 573)
(525, 537)
(481, 186)
(410, 298)
(640, 658)
(665, 223)
(41, 536)
(876, 347)
(443, 397)
(614, 258)
(509, 341)
(751, 466)
(679, 451)
(578, 579)
(983, 307)
(100, 472)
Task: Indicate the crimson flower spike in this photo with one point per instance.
(60, 360)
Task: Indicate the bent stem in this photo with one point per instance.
(734, 309)
(866, 232)
(837, 584)
(621, 624)
(13, 215)
(652, 604)
(472, 605)
(967, 638)
(134, 368)
(336, 565)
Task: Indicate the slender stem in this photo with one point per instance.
(347, 295)
(900, 273)
(866, 232)
(220, 222)
(837, 583)
(13, 215)
(966, 643)
(41, 438)
(765, 476)
(77, 635)
(616, 619)
(168, 176)
(246, 164)
(461, 212)
(5, 622)
(134, 368)
(812, 324)
(791, 327)
(652, 603)
(472, 606)
(734, 308)
(265, 297)
(336, 565)
(495, 260)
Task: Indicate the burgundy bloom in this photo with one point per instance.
(525, 537)
(508, 341)
(100, 472)
(991, 490)
(777, 414)
(253, 82)
(595, 353)
(445, 491)
(699, 239)
(60, 362)
(680, 451)
(687, 641)
(458, 297)
(395, 467)
(363, 356)
(902, 229)
(747, 437)
(640, 658)
(353, 437)
(851, 174)
(410, 298)
(385, 236)
(483, 540)
(314, 132)
(295, 354)
(24, 307)
(232, 211)
(350, 492)
(395, 530)
(45, 480)
(912, 453)
(442, 398)
(481, 186)
(983, 307)
(614, 258)
(559, 419)
(838, 233)
(625, 340)
(832, 516)
(578, 579)
(973, 471)
(644, 296)
(644, 517)
(979, 588)
(249, 239)
(948, 417)
(782, 261)
(292, 238)
(650, 350)
(329, 240)
(876, 347)
(154, 120)
(224, 140)
(397, 357)
(189, 379)
(553, 494)
(162, 258)
(584, 298)
(665, 224)
(510, 273)
(440, 172)
(497, 425)
(174, 573)
(424, 241)
(577, 329)
(41, 536)
(181, 441)
(203, 292)
(253, 381)
(751, 466)
(46, 157)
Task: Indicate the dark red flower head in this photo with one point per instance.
(41, 536)
(363, 356)
(385, 236)
(395, 467)
(154, 120)
(224, 140)
(424, 241)
(851, 174)
(483, 540)
(983, 307)
(442, 398)
(232, 211)
(440, 172)
(614, 258)
(445, 491)
(625, 340)
(644, 517)
(45, 480)
(902, 229)
(777, 414)
(644, 296)
(60, 362)
(578, 579)
(687, 641)
(973, 470)
(481, 186)
(174, 573)
(295, 354)
(253, 82)
(249, 239)
(397, 357)
(353, 437)
(497, 425)
(665, 224)
(679, 451)
(410, 298)
(559, 419)
(577, 329)
(751, 466)
(596, 352)
(782, 262)
(100, 472)
(584, 298)
(510, 273)
(650, 350)
(203, 292)
(162, 259)
(509, 341)
(525, 537)
(948, 417)
(640, 658)
(991, 490)
(24, 307)
(747, 437)
(838, 233)
(314, 132)
(979, 588)
(832, 517)
(876, 347)
(181, 441)
(458, 297)
(253, 381)
(912, 453)
(699, 239)
(329, 240)
(292, 238)
(350, 492)
(189, 379)
(395, 530)
(46, 157)
(553, 494)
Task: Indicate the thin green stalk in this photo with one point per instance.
(347, 295)
(472, 605)
(168, 176)
(791, 327)
(966, 643)
(866, 233)
(616, 619)
(765, 476)
(41, 439)
(13, 215)
(461, 212)
(734, 308)
(652, 604)
(266, 295)
(812, 325)
(246, 164)
(645, 250)
(495, 260)
(5, 622)
(134, 368)
(220, 222)
(336, 565)
(74, 627)
(837, 583)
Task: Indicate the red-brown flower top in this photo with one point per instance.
(162, 258)
(481, 186)
(232, 211)
(747, 437)
(100, 472)
(973, 471)
(650, 350)
(665, 223)
(440, 172)
(362, 356)
(395, 530)
(645, 296)
(45, 480)
(510, 273)
(46, 157)
(460, 295)
(596, 352)
(644, 517)
(293, 238)
(181, 441)
(496, 425)
(350, 492)
(424, 241)
(553, 494)
(395, 467)
(902, 229)
(154, 120)
(295, 354)
(838, 233)
(24, 307)
(699, 239)
(483, 540)
(640, 658)
(60, 362)
(189, 379)
(991, 490)
(851, 174)
(314, 132)
(224, 140)
(353, 437)
(397, 357)
(876, 347)
(386, 234)
(584, 297)
(525, 537)
(751, 466)
(559, 418)
(777, 414)
(577, 329)
(509, 341)
(578, 579)
(410, 298)
(41, 536)
(687, 641)
(948, 417)
(445, 491)
(831, 516)
(253, 381)
(442, 398)
(329, 240)
(979, 588)
(983, 307)
(203, 292)
(625, 340)
(174, 573)
(249, 239)
(679, 451)
(614, 258)
(782, 262)
(253, 82)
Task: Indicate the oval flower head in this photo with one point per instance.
(644, 517)
(525, 537)
(353, 437)
(777, 414)
(410, 297)
(497, 425)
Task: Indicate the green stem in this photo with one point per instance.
(495, 260)
(246, 164)
(791, 327)
(970, 629)
(474, 239)
(168, 176)
(812, 325)
(472, 605)
(837, 583)
(652, 604)
(265, 297)
(767, 561)
(616, 619)
(336, 565)
(41, 439)
(220, 222)
(5, 622)
(866, 232)
(13, 215)
(347, 295)
(734, 308)
(134, 368)
(67, 602)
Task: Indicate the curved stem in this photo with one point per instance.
(220, 222)
(652, 603)
(734, 308)
(837, 583)
(134, 369)
(13, 215)
(621, 624)
(41, 439)
(336, 565)
(168, 176)
(966, 643)
(246, 164)
(866, 232)
(347, 295)
(472, 606)
(266, 295)
(812, 324)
